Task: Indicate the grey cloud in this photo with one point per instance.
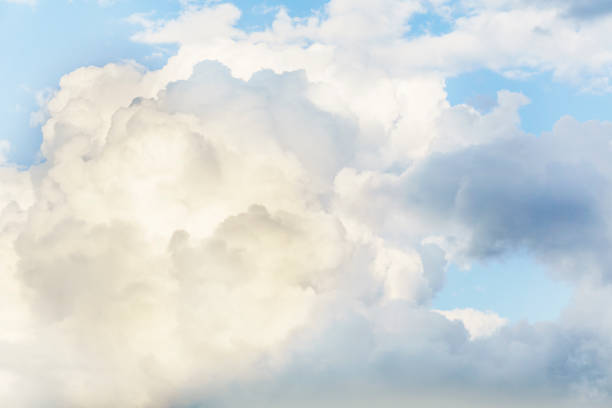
(578, 9)
(548, 194)
(416, 357)
(589, 8)
(434, 265)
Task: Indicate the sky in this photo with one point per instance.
(343, 203)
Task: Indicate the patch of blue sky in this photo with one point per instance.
(550, 99)
(516, 288)
(428, 23)
(435, 21)
(257, 15)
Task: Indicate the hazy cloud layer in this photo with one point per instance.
(265, 220)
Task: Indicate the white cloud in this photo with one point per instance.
(492, 34)
(193, 26)
(270, 215)
(190, 224)
(477, 323)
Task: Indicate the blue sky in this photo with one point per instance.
(516, 287)
(550, 99)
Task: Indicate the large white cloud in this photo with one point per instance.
(167, 236)
(265, 220)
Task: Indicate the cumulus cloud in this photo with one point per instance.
(548, 195)
(476, 322)
(591, 9)
(265, 220)
(188, 224)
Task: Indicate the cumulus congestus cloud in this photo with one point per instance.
(265, 220)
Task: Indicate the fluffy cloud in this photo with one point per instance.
(485, 33)
(547, 194)
(265, 220)
(477, 323)
(172, 234)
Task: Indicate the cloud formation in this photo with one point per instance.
(265, 220)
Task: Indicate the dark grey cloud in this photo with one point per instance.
(549, 195)
(589, 8)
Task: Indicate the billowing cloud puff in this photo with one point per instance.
(189, 230)
(477, 323)
(265, 220)
(548, 194)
